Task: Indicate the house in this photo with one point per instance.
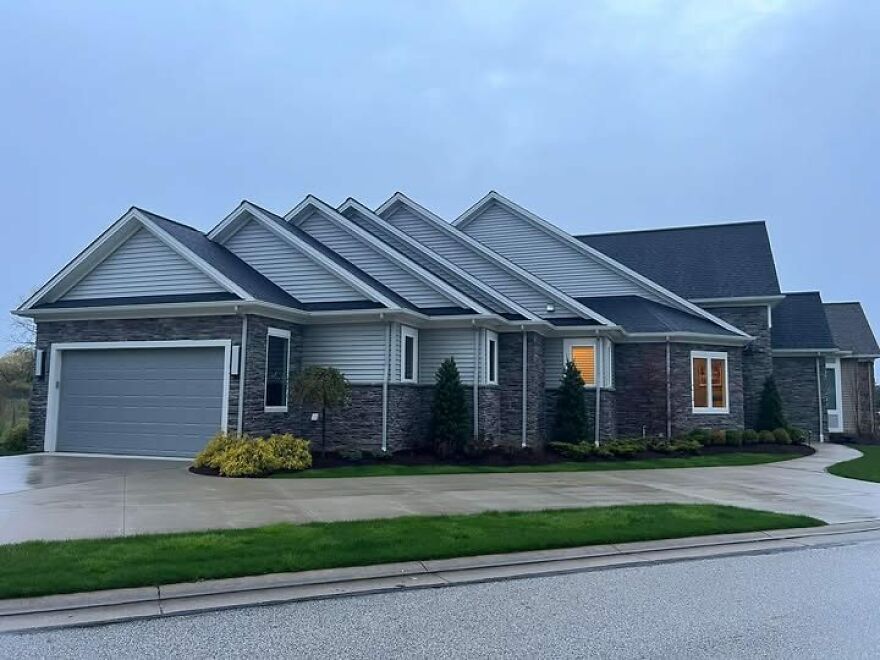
(157, 335)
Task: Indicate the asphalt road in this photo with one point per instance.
(815, 603)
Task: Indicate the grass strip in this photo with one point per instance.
(50, 567)
(397, 470)
(865, 468)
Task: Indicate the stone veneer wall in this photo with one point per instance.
(863, 399)
(510, 381)
(607, 413)
(799, 390)
(151, 329)
(640, 382)
(757, 356)
(683, 417)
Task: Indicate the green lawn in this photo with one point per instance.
(48, 567)
(866, 467)
(397, 470)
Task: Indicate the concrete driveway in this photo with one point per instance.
(54, 496)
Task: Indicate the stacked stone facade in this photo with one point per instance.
(799, 389)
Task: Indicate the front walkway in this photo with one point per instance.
(55, 497)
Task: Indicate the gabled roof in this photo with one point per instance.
(475, 247)
(850, 328)
(799, 323)
(640, 315)
(233, 275)
(703, 262)
(436, 263)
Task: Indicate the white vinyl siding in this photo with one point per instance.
(357, 350)
(288, 267)
(142, 266)
(373, 262)
(478, 265)
(550, 258)
(437, 345)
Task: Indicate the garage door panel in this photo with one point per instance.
(153, 401)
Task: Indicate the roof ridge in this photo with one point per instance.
(711, 225)
(166, 219)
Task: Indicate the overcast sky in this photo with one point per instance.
(595, 115)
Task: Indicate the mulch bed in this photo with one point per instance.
(527, 457)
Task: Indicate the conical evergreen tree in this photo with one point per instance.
(770, 413)
(571, 409)
(449, 423)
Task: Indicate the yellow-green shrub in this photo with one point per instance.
(213, 452)
(291, 453)
(241, 456)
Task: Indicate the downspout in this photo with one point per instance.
(476, 382)
(668, 390)
(819, 393)
(241, 369)
(525, 391)
(385, 377)
(599, 344)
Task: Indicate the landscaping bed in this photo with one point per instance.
(38, 568)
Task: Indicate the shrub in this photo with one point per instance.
(211, 455)
(750, 437)
(770, 414)
(685, 446)
(248, 458)
(477, 447)
(577, 452)
(798, 436)
(324, 387)
(449, 421)
(717, 438)
(571, 409)
(734, 438)
(291, 453)
(781, 437)
(350, 454)
(766, 437)
(700, 435)
(15, 438)
(624, 448)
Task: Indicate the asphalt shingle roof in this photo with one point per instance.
(851, 329)
(799, 322)
(637, 314)
(709, 261)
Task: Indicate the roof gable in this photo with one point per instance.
(492, 268)
(850, 328)
(799, 323)
(704, 262)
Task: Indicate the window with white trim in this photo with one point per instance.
(491, 355)
(277, 369)
(588, 354)
(709, 382)
(409, 354)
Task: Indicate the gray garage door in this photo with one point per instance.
(148, 401)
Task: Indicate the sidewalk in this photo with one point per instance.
(101, 607)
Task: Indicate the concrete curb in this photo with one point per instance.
(98, 607)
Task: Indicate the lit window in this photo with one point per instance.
(491, 358)
(583, 353)
(409, 350)
(277, 366)
(709, 380)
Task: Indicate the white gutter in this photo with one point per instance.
(385, 377)
(819, 392)
(600, 342)
(241, 372)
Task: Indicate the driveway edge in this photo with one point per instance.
(115, 605)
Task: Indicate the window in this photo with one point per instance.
(709, 382)
(831, 391)
(277, 365)
(583, 353)
(409, 354)
(491, 357)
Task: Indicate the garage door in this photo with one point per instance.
(143, 401)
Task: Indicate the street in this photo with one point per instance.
(813, 603)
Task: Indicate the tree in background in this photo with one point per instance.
(16, 376)
(571, 409)
(449, 419)
(324, 387)
(770, 413)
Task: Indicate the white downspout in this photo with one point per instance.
(385, 378)
(525, 391)
(598, 356)
(669, 390)
(819, 393)
(476, 382)
(241, 372)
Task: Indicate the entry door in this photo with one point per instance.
(833, 398)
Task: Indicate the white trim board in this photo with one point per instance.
(53, 384)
